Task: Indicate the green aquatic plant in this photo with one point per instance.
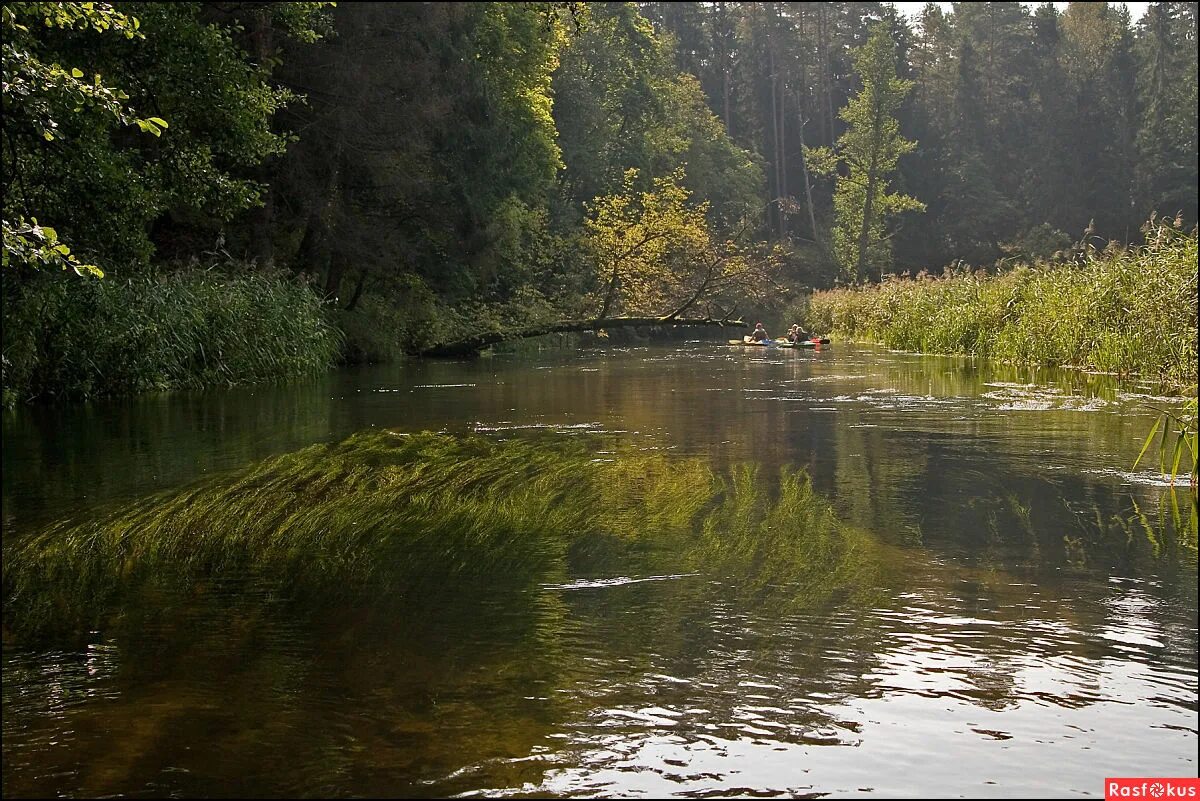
(385, 514)
(1178, 454)
(187, 329)
(1125, 311)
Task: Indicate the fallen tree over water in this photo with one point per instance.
(654, 252)
(472, 345)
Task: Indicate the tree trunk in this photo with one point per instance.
(725, 97)
(783, 183)
(309, 256)
(781, 85)
(337, 261)
(333, 279)
(358, 290)
(823, 37)
(725, 67)
(812, 217)
(775, 158)
(864, 234)
(262, 245)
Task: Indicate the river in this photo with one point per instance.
(1013, 613)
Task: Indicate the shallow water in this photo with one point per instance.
(1031, 631)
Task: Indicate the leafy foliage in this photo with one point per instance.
(1183, 423)
(26, 242)
(621, 104)
(654, 253)
(114, 196)
(35, 96)
(870, 149)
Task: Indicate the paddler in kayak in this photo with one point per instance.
(797, 334)
(760, 334)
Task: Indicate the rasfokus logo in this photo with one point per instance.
(1152, 788)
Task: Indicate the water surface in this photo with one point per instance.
(1027, 625)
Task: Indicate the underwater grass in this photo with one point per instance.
(1125, 311)
(387, 514)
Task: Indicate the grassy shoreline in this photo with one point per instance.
(1123, 311)
(189, 329)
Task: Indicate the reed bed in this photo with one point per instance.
(1124, 311)
(188, 329)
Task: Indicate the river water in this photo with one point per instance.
(1029, 629)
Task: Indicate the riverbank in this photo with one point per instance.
(190, 329)
(69, 338)
(1125, 311)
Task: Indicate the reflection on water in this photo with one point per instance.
(997, 605)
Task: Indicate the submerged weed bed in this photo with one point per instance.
(1121, 311)
(383, 514)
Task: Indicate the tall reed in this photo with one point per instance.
(1127, 311)
(188, 329)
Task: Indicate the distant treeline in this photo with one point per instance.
(425, 168)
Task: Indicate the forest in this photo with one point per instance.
(213, 193)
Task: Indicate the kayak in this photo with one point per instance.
(777, 343)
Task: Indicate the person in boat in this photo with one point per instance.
(798, 334)
(760, 334)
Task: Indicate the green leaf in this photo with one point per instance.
(159, 121)
(76, 72)
(1162, 446)
(1146, 444)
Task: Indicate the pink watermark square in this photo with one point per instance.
(1152, 788)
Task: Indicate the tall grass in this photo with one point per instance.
(1126, 311)
(385, 514)
(189, 329)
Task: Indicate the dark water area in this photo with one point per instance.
(1013, 614)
